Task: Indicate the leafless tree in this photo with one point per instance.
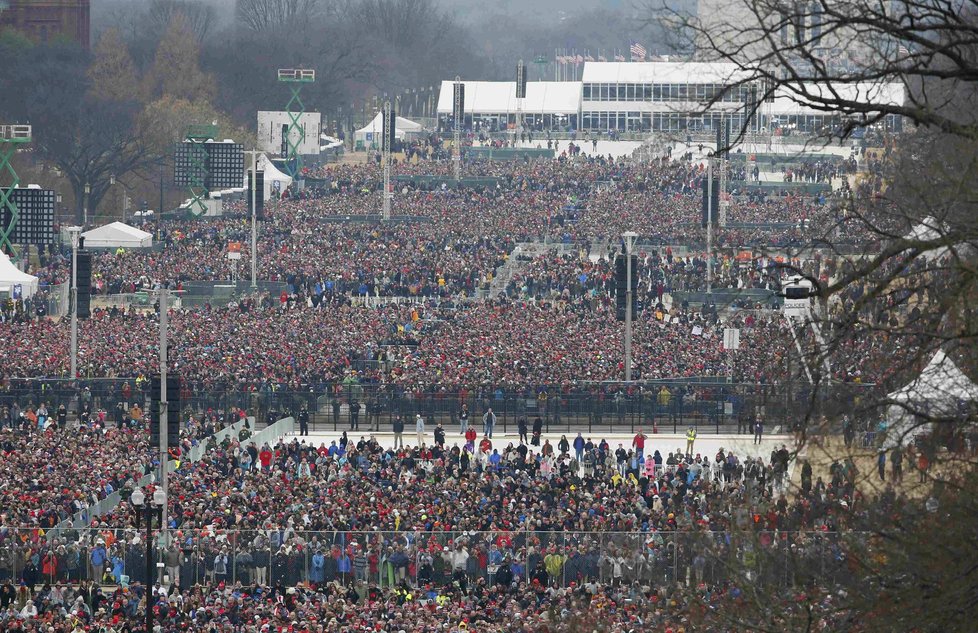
(263, 16)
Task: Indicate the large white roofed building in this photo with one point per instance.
(660, 96)
(548, 104)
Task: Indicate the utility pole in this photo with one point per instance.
(74, 232)
(629, 238)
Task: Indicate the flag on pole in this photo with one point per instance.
(578, 60)
(638, 52)
(588, 57)
(618, 56)
(601, 58)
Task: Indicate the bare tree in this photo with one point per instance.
(271, 15)
(198, 16)
(837, 56)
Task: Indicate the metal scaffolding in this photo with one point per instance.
(197, 135)
(296, 77)
(12, 138)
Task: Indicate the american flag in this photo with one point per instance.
(638, 52)
(602, 58)
(619, 57)
(578, 60)
(588, 58)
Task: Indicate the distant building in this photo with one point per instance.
(646, 97)
(44, 20)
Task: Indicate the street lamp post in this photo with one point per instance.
(144, 507)
(75, 233)
(125, 196)
(88, 191)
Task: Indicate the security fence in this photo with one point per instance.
(709, 404)
(421, 557)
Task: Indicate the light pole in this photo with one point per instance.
(629, 238)
(88, 191)
(125, 196)
(75, 233)
(142, 507)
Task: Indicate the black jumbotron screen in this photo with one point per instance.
(35, 222)
(223, 165)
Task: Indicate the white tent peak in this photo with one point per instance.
(11, 276)
(116, 234)
(401, 127)
(941, 380)
(936, 392)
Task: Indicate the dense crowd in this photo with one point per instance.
(458, 531)
(292, 340)
(428, 535)
(458, 237)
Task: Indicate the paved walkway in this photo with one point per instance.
(741, 445)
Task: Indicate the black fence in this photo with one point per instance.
(709, 404)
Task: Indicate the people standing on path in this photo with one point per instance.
(488, 422)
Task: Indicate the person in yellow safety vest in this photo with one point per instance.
(690, 438)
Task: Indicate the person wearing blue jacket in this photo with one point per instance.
(579, 447)
(317, 572)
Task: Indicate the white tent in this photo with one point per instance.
(11, 276)
(276, 181)
(372, 131)
(938, 391)
(117, 235)
(927, 230)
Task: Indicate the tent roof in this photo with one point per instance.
(941, 382)
(787, 102)
(10, 276)
(661, 72)
(497, 97)
(402, 125)
(117, 233)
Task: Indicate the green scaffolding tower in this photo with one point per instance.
(197, 135)
(12, 138)
(295, 77)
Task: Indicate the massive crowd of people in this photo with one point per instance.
(458, 237)
(554, 534)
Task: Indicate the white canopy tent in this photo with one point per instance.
(938, 391)
(276, 181)
(403, 128)
(928, 229)
(116, 235)
(11, 276)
